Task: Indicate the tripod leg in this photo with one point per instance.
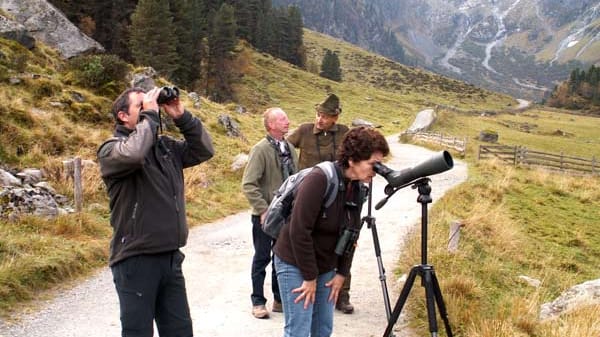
(430, 300)
(401, 301)
(440, 303)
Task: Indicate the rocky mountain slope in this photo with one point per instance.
(521, 47)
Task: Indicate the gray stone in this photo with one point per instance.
(362, 122)
(584, 294)
(15, 31)
(47, 24)
(195, 98)
(30, 176)
(423, 121)
(239, 161)
(231, 127)
(7, 179)
(488, 136)
(531, 281)
(77, 97)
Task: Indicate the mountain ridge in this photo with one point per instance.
(520, 47)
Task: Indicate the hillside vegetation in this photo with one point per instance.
(38, 254)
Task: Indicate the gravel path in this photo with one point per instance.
(217, 270)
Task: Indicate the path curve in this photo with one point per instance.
(217, 271)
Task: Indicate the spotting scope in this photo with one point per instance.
(438, 163)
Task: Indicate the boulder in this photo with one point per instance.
(12, 30)
(232, 128)
(47, 24)
(7, 179)
(423, 121)
(363, 122)
(239, 162)
(488, 136)
(584, 294)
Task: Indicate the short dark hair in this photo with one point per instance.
(122, 102)
(360, 143)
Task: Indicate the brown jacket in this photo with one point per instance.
(308, 240)
(316, 145)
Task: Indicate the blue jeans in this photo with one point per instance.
(317, 319)
(262, 257)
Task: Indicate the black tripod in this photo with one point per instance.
(433, 294)
(370, 220)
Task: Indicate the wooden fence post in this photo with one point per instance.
(515, 160)
(593, 164)
(78, 192)
(562, 160)
(454, 235)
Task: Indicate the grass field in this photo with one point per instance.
(517, 222)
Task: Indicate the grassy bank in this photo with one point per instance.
(517, 222)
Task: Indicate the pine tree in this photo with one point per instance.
(222, 41)
(330, 67)
(185, 45)
(198, 29)
(279, 46)
(297, 53)
(265, 36)
(153, 39)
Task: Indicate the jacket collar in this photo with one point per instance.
(122, 131)
(316, 131)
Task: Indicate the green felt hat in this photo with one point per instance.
(330, 106)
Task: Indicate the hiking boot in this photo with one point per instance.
(345, 306)
(260, 311)
(277, 307)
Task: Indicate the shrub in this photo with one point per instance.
(98, 71)
(43, 87)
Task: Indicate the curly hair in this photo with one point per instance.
(359, 144)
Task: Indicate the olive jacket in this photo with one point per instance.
(263, 174)
(317, 145)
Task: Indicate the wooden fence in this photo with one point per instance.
(519, 155)
(458, 144)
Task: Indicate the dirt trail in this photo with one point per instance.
(217, 270)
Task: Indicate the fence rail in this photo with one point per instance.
(458, 144)
(519, 155)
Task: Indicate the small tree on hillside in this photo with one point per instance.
(330, 67)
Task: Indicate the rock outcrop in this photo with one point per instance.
(26, 193)
(45, 23)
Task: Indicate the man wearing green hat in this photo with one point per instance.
(318, 142)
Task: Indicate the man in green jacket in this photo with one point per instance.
(318, 142)
(271, 161)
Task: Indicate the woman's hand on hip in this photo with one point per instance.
(307, 291)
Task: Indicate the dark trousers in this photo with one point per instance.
(152, 287)
(262, 257)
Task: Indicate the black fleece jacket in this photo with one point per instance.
(143, 173)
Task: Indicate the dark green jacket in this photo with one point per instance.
(316, 145)
(143, 173)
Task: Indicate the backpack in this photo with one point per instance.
(280, 208)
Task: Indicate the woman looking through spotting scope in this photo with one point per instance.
(309, 272)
